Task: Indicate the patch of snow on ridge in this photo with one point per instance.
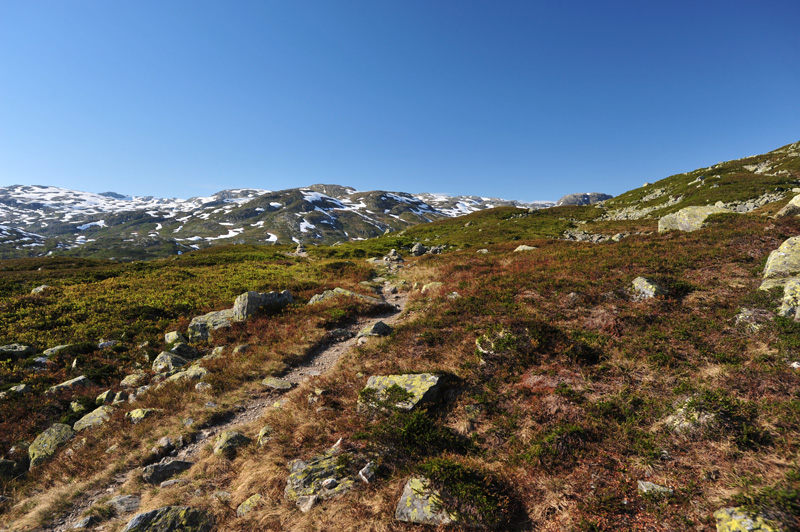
(99, 223)
(305, 226)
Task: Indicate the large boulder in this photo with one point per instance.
(48, 442)
(250, 303)
(200, 327)
(15, 351)
(782, 264)
(158, 473)
(77, 382)
(171, 519)
(582, 198)
(738, 520)
(688, 218)
(420, 388)
(95, 418)
(420, 504)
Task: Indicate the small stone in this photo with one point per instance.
(76, 407)
(121, 397)
(738, 520)
(105, 344)
(105, 398)
(39, 289)
(168, 361)
(367, 473)
(646, 289)
(133, 380)
(20, 389)
(306, 502)
(264, 435)
(649, 488)
(77, 382)
(241, 349)
(420, 504)
(483, 251)
(378, 328)
(140, 414)
(173, 482)
(158, 473)
(330, 483)
(184, 350)
(523, 247)
(86, 523)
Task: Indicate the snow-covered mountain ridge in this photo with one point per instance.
(37, 220)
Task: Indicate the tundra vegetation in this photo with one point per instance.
(561, 390)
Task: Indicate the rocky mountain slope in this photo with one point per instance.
(39, 220)
(492, 371)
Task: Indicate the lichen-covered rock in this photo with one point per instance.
(193, 373)
(644, 288)
(421, 387)
(689, 418)
(790, 304)
(376, 329)
(21, 389)
(249, 505)
(688, 218)
(228, 442)
(134, 380)
(39, 289)
(48, 442)
(168, 361)
(86, 523)
(174, 337)
(77, 382)
(140, 414)
(15, 351)
(95, 418)
(422, 505)
(791, 209)
(753, 319)
(264, 435)
(171, 519)
(782, 264)
(276, 384)
(125, 504)
(737, 520)
(306, 477)
(200, 327)
(158, 473)
(250, 303)
(105, 398)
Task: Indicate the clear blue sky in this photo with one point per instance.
(524, 99)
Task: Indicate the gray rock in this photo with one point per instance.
(134, 380)
(649, 488)
(95, 418)
(174, 337)
(193, 373)
(105, 398)
(39, 289)
(482, 251)
(171, 519)
(753, 319)
(86, 523)
(121, 397)
(173, 482)
(203, 387)
(582, 198)
(421, 387)
(241, 349)
(105, 344)
(782, 264)
(77, 382)
(184, 350)
(158, 473)
(393, 256)
(377, 303)
(228, 442)
(376, 329)
(21, 389)
(201, 327)
(790, 303)
(250, 303)
(688, 218)
(264, 435)
(8, 468)
(791, 209)
(644, 288)
(125, 504)
(420, 504)
(418, 250)
(249, 505)
(54, 350)
(168, 361)
(276, 384)
(306, 502)
(306, 477)
(48, 442)
(16, 351)
(367, 473)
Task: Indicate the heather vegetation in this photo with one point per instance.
(560, 390)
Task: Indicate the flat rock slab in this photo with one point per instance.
(158, 473)
(171, 519)
(688, 218)
(276, 384)
(95, 418)
(377, 303)
(420, 504)
(422, 387)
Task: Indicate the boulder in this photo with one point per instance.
(174, 337)
(523, 247)
(782, 264)
(86, 523)
(790, 304)
(250, 303)
(140, 414)
(21, 389)
(688, 218)
(791, 209)
(134, 380)
(420, 504)
(16, 351)
(228, 442)
(376, 329)
(200, 327)
(125, 504)
(421, 387)
(306, 478)
(77, 382)
(276, 384)
(168, 361)
(171, 519)
(105, 398)
(249, 505)
(418, 250)
(738, 520)
(378, 303)
(158, 473)
(582, 198)
(644, 288)
(193, 373)
(183, 350)
(48, 442)
(95, 418)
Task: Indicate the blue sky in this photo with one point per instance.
(518, 99)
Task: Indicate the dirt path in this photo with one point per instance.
(321, 360)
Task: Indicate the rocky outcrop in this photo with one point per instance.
(420, 388)
(782, 264)
(158, 473)
(738, 520)
(643, 288)
(171, 519)
(582, 198)
(688, 218)
(95, 418)
(420, 504)
(48, 442)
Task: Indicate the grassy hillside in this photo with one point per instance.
(560, 383)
